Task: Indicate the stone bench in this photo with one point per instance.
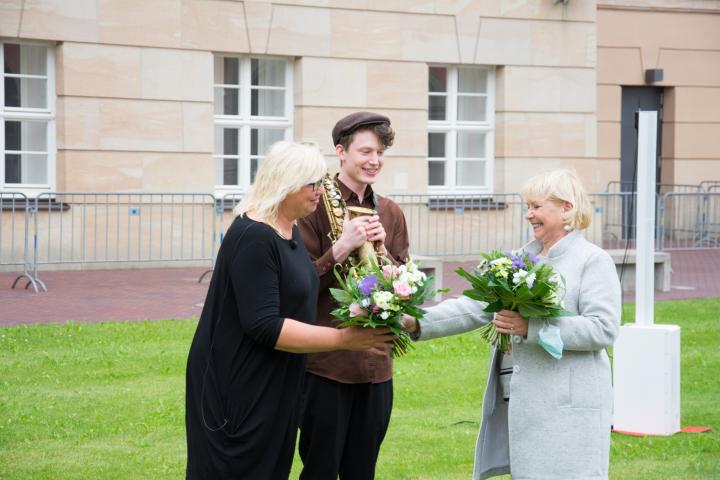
(432, 267)
(662, 269)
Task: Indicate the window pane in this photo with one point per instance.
(471, 145)
(226, 141)
(12, 92)
(26, 168)
(436, 173)
(12, 58)
(231, 74)
(262, 138)
(25, 59)
(267, 73)
(267, 103)
(260, 141)
(12, 168)
(438, 79)
(227, 101)
(230, 141)
(254, 164)
(26, 136)
(436, 108)
(436, 144)
(25, 92)
(472, 109)
(12, 136)
(472, 80)
(470, 173)
(230, 171)
(34, 168)
(227, 70)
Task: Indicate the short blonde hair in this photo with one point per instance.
(286, 168)
(560, 186)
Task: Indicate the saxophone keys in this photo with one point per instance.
(337, 212)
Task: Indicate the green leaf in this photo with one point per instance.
(341, 296)
(336, 272)
(414, 312)
(475, 295)
(530, 311)
(340, 313)
(494, 307)
(474, 281)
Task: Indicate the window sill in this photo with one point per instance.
(42, 205)
(462, 202)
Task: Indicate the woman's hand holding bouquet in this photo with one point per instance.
(378, 296)
(515, 281)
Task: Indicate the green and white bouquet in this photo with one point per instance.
(378, 296)
(515, 281)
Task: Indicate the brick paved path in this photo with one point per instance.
(105, 295)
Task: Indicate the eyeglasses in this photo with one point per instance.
(315, 185)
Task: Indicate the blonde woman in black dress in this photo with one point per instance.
(246, 361)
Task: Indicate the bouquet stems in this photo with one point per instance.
(489, 333)
(401, 345)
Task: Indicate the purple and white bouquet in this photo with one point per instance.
(515, 281)
(378, 296)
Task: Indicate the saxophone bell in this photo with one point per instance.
(367, 250)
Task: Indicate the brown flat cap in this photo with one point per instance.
(354, 121)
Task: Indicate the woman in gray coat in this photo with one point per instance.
(547, 418)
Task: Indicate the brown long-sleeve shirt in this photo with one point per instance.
(346, 366)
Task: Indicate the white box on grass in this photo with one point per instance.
(646, 373)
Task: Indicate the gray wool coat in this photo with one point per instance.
(557, 423)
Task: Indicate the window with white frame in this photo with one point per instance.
(461, 122)
(253, 109)
(27, 117)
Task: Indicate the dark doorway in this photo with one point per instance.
(634, 99)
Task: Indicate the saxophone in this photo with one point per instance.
(336, 209)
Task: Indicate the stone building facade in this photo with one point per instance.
(184, 95)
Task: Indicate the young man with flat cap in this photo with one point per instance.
(348, 396)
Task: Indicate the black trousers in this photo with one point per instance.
(342, 427)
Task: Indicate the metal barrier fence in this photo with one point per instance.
(613, 222)
(224, 217)
(460, 225)
(466, 225)
(616, 186)
(87, 228)
(93, 228)
(15, 213)
(690, 221)
(710, 185)
(227, 203)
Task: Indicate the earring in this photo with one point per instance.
(568, 228)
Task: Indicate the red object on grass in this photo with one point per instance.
(634, 434)
(688, 429)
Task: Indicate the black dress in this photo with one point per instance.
(242, 395)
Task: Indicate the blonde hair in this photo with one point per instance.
(286, 168)
(560, 186)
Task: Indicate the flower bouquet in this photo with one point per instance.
(374, 296)
(515, 281)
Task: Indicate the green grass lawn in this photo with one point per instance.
(107, 401)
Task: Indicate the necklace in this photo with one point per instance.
(280, 233)
(271, 225)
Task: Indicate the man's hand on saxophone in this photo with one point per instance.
(376, 234)
(355, 234)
